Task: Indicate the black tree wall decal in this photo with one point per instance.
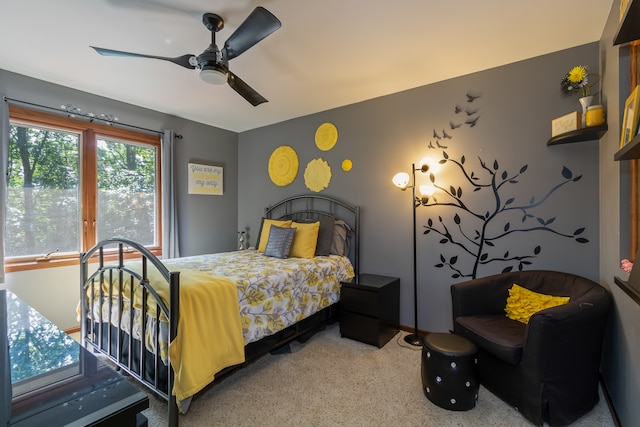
(477, 232)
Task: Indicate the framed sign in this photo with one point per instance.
(205, 179)
(630, 120)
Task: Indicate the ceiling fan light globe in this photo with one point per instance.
(213, 75)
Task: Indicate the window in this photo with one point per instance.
(72, 183)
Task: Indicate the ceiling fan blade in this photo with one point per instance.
(184, 60)
(258, 25)
(245, 90)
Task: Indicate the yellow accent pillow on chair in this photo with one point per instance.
(523, 303)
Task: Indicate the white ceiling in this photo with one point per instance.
(327, 54)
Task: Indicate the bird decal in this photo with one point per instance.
(454, 126)
(471, 98)
(472, 122)
(431, 144)
(441, 146)
(471, 111)
(445, 134)
(458, 109)
(435, 135)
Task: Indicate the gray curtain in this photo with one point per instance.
(169, 207)
(4, 158)
(5, 366)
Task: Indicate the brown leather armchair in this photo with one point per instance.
(547, 369)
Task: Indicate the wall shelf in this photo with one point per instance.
(629, 151)
(579, 135)
(629, 30)
(625, 286)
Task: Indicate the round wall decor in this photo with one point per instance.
(283, 165)
(326, 136)
(317, 175)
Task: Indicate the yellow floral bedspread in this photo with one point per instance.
(274, 293)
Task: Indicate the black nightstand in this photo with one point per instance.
(370, 309)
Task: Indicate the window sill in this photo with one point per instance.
(15, 266)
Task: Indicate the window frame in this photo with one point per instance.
(89, 132)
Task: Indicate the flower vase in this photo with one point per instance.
(585, 101)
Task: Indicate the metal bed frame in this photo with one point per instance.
(131, 355)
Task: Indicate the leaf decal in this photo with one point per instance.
(582, 240)
(508, 202)
(523, 169)
(537, 250)
(495, 165)
(453, 260)
(504, 175)
(456, 219)
(507, 270)
(462, 160)
(445, 155)
(578, 231)
(483, 257)
(507, 226)
(566, 173)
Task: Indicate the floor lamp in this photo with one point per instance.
(401, 180)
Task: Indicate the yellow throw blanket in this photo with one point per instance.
(209, 334)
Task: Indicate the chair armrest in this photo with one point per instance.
(566, 338)
(485, 295)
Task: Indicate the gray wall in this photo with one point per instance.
(385, 135)
(621, 362)
(207, 223)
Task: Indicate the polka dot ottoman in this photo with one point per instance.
(449, 371)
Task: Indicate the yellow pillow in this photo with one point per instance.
(266, 229)
(305, 239)
(523, 303)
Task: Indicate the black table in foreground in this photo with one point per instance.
(56, 382)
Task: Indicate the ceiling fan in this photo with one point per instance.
(213, 63)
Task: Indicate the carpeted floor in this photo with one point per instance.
(334, 381)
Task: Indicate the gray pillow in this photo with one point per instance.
(340, 242)
(280, 242)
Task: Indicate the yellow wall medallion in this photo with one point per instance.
(326, 136)
(347, 165)
(317, 175)
(283, 165)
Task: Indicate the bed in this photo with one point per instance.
(178, 324)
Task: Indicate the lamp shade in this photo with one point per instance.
(401, 180)
(213, 75)
(427, 190)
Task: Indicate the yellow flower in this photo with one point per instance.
(577, 74)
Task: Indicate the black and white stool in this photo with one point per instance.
(449, 371)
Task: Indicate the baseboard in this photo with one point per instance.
(607, 397)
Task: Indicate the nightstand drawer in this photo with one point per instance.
(360, 300)
(369, 330)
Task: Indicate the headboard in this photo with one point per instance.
(312, 206)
